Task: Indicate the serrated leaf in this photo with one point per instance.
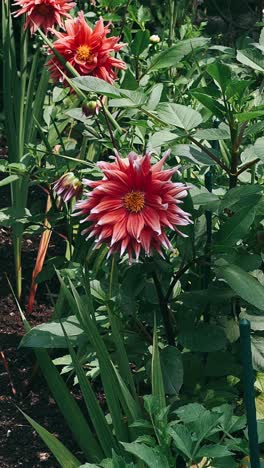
(236, 227)
(178, 115)
(203, 338)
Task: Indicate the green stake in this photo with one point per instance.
(249, 393)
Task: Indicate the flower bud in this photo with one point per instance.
(90, 108)
(68, 186)
(155, 39)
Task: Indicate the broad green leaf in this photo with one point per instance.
(212, 134)
(204, 198)
(203, 338)
(50, 335)
(205, 424)
(213, 451)
(194, 154)
(245, 116)
(129, 98)
(182, 439)
(153, 457)
(220, 73)
(237, 197)
(155, 96)
(259, 148)
(173, 55)
(191, 412)
(209, 102)
(161, 138)
(252, 58)
(65, 458)
(212, 295)
(244, 284)
(9, 180)
(140, 42)
(96, 85)
(172, 370)
(178, 115)
(236, 227)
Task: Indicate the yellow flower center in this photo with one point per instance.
(44, 10)
(134, 201)
(83, 53)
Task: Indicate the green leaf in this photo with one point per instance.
(204, 198)
(50, 335)
(172, 370)
(212, 134)
(9, 180)
(237, 197)
(209, 102)
(178, 115)
(182, 439)
(259, 148)
(244, 284)
(161, 138)
(60, 452)
(140, 42)
(213, 451)
(156, 372)
(172, 56)
(252, 58)
(191, 412)
(220, 73)
(95, 412)
(153, 457)
(154, 97)
(205, 424)
(245, 116)
(96, 85)
(236, 227)
(194, 154)
(203, 338)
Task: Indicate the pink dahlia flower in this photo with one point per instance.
(131, 207)
(44, 14)
(68, 186)
(87, 50)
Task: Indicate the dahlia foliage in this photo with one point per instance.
(44, 14)
(87, 50)
(130, 208)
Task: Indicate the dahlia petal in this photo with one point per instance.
(112, 217)
(151, 219)
(135, 224)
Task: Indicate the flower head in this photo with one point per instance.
(68, 186)
(44, 14)
(87, 50)
(131, 207)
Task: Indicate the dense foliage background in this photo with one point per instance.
(159, 335)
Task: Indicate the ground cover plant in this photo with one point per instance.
(135, 143)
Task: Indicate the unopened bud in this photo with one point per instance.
(90, 108)
(68, 186)
(155, 39)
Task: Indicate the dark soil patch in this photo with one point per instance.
(20, 445)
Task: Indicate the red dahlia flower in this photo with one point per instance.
(87, 50)
(44, 13)
(133, 204)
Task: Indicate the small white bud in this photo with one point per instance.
(155, 39)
